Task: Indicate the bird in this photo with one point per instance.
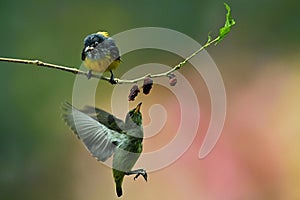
(100, 54)
(105, 135)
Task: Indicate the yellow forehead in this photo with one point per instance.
(103, 33)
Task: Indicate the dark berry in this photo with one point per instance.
(148, 82)
(134, 91)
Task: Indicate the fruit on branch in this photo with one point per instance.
(134, 91)
(148, 83)
(172, 79)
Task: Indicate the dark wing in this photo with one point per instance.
(114, 51)
(83, 54)
(105, 118)
(97, 138)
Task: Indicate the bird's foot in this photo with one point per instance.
(89, 74)
(138, 172)
(112, 78)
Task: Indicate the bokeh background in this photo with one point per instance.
(257, 156)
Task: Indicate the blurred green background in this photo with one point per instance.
(257, 156)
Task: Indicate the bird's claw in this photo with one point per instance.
(112, 78)
(89, 74)
(112, 81)
(141, 172)
(138, 172)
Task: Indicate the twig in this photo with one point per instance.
(53, 66)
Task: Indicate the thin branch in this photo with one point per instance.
(119, 81)
(53, 66)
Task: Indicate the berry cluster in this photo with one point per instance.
(147, 86)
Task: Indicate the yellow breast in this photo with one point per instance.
(101, 65)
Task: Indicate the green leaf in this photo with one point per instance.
(209, 38)
(228, 24)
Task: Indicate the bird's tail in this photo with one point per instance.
(118, 176)
(119, 190)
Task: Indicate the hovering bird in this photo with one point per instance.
(104, 135)
(100, 54)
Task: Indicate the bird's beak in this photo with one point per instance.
(137, 108)
(88, 48)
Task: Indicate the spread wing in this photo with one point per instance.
(97, 138)
(105, 118)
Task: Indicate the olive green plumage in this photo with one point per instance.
(104, 135)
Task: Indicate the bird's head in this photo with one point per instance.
(90, 42)
(134, 117)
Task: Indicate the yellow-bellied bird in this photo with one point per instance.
(100, 54)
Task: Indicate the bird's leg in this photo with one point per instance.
(89, 74)
(112, 78)
(138, 172)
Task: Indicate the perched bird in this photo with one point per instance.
(104, 135)
(100, 54)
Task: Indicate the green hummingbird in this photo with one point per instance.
(104, 135)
